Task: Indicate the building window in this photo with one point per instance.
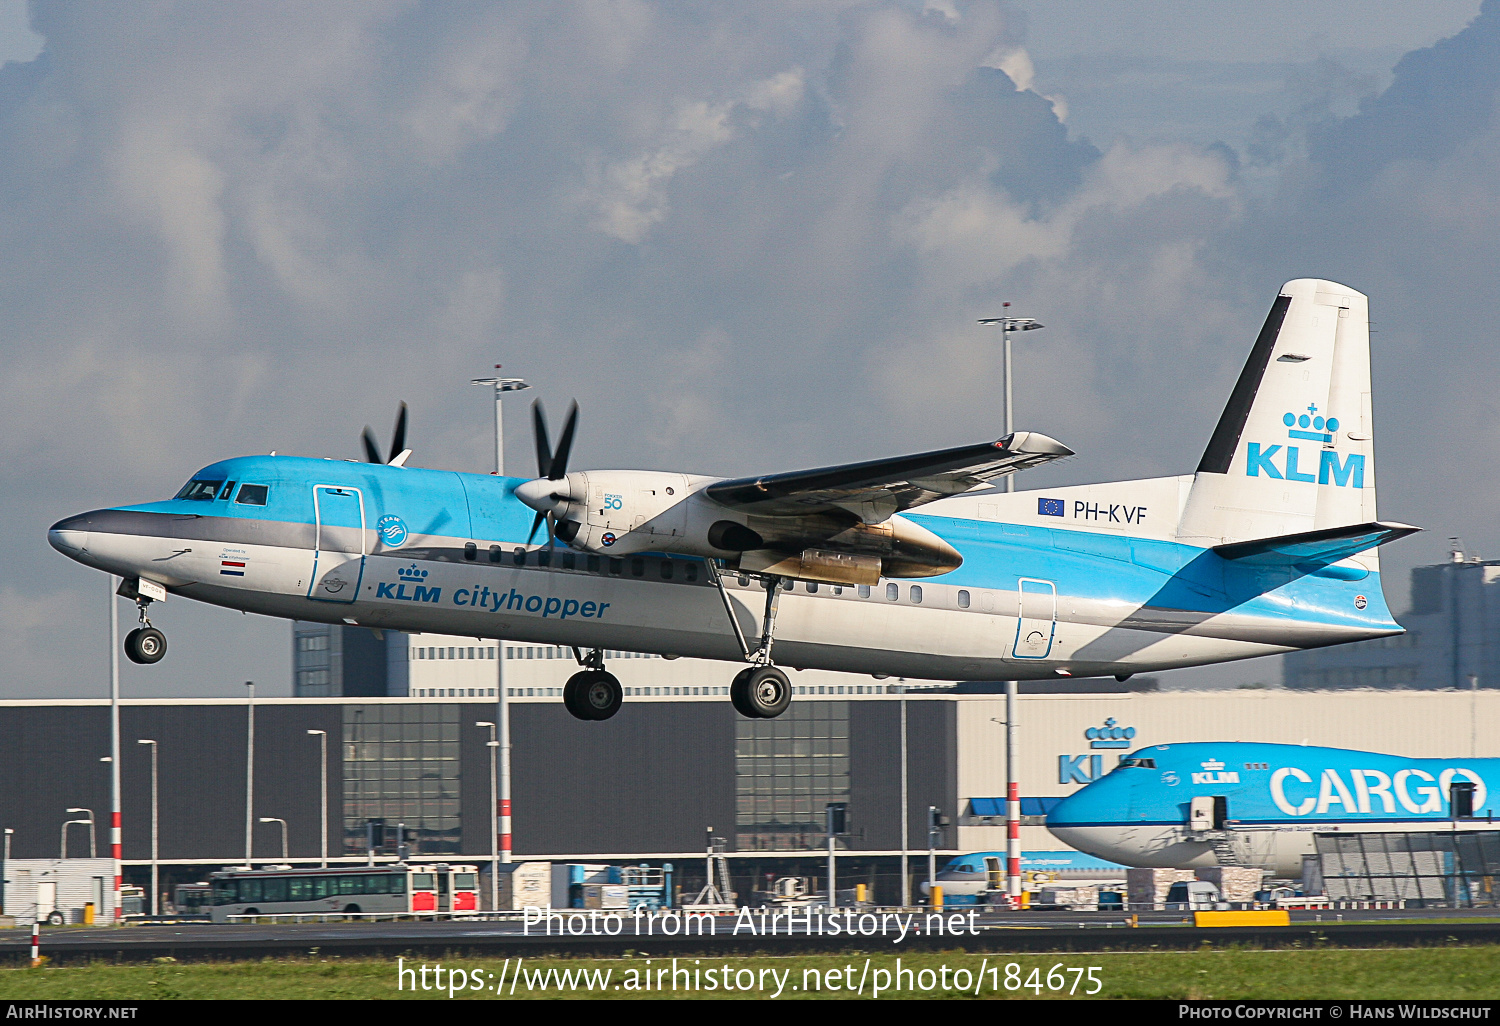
(786, 770)
(401, 764)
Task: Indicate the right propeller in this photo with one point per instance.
(549, 492)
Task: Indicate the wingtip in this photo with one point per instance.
(1035, 443)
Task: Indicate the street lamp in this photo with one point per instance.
(249, 773)
(494, 746)
(323, 766)
(501, 385)
(5, 870)
(93, 852)
(273, 819)
(154, 852)
(1008, 324)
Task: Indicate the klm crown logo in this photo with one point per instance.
(1288, 462)
(411, 573)
(1109, 735)
(1322, 430)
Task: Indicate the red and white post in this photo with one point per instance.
(36, 943)
(115, 834)
(1012, 802)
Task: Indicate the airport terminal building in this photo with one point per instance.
(646, 784)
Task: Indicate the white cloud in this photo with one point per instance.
(630, 195)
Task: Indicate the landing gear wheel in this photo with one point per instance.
(145, 645)
(763, 692)
(593, 695)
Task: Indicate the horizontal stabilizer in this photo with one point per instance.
(1314, 548)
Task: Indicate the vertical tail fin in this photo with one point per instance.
(1294, 449)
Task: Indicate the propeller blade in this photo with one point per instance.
(398, 440)
(535, 523)
(559, 467)
(372, 450)
(539, 435)
(551, 535)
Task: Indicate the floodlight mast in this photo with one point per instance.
(501, 385)
(1008, 324)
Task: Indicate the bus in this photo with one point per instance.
(399, 889)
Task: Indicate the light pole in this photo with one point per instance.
(93, 852)
(323, 767)
(249, 772)
(273, 819)
(494, 745)
(5, 870)
(501, 385)
(905, 826)
(115, 835)
(1008, 324)
(155, 854)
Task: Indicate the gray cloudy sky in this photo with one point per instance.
(746, 236)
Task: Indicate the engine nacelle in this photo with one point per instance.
(622, 512)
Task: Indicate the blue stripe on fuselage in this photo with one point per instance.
(1133, 572)
(1151, 572)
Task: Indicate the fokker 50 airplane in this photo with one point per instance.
(914, 566)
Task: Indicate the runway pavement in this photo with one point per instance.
(746, 933)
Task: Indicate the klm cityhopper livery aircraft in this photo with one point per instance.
(915, 566)
(1250, 804)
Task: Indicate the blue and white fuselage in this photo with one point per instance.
(452, 558)
(1274, 798)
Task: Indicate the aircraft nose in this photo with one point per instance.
(70, 536)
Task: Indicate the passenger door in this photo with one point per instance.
(1036, 623)
(339, 548)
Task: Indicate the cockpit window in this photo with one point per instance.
(200, 491)
(1137, 764)
(252, 495)
(228, 490)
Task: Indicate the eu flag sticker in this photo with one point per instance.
(1049, 507)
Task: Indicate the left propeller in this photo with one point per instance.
(399, 452)
(549, 493)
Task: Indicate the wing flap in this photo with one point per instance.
(1315, 548)
(876, 489)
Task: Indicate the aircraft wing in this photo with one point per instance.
(876, 489)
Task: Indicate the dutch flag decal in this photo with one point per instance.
(232, 568)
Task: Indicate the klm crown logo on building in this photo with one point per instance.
(1085, 769)
(409, 575)
(1288, 462)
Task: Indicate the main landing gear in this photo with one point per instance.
(760, 691)
(592, 693)
(145, 644)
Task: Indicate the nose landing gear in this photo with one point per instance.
(592, 693)
(145, 644)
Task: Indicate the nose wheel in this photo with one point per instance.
(592, 694)
(145, 644)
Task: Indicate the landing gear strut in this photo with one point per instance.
(145, 644)
(760, 691)
(592, 693)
